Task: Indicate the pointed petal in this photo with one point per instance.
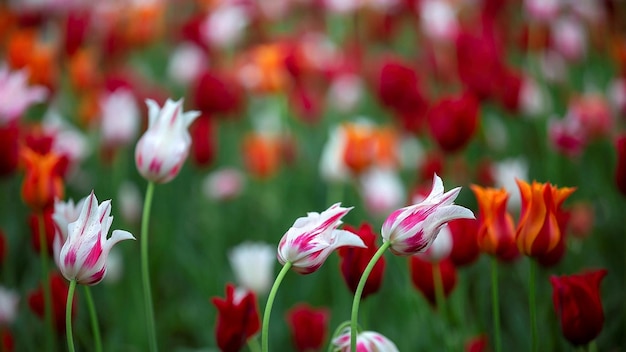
(153, 111)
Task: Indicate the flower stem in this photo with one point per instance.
(440, 300)
(94, 320)
(47, 294)
(68, 316)
(359, 291)
(532, 305)
(147, 293)
(268, 306)
(495, 304)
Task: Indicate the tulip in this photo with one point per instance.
(578, 305)
(15, 94)
(308, 327)
(538, 230)
(367, 341)
(164, 147)
(423, 277)
(43, 182)
(311, 239)
(465, 248)
(237, 319)
(453, 121)
(413, 229)
(81, 245)
(354, 260)
(8, 306)
(59, 291)
(253, 265)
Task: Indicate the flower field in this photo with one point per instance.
(312, 175)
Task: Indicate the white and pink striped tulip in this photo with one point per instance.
(366, 341)
(164, 147)
(413, 229)
(311, 239)
(81, 246)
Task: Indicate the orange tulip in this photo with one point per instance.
(496, 232)
(359, 150)
(262, 154)
(43, 182)
(538, 230)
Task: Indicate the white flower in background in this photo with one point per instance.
(569, 37)
(345, 92)
(253, 265)
(332, 165)
(16, 95)
(382, 190)
(553, 66)
(438, 20)
(68, 140)
(186, 63)
(532, 102)
(225, 25)
(226, 183)
(542, 10)
(505, 172)
(8, 306)
(115, 267)
(411, 152)
(441, 247)
(495, 131)
(119, 119)
(341, 7)
(617, 95)
(130, 202)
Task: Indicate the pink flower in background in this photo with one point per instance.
(382, 190)
(223, 184)
(438, 20)
(569, 37)
(542, 10)
(311, 239)
(186, 63)
(81, 245)
(15, 94)
(413, 229)
(366, 341)
(164, 147)
(119, 118)
(9, 300)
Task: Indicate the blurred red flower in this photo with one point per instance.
(33, 222)
(308, 326)
(453, 121)
(355, 259)
(59, 289)
(465, 248)
(237, 318)
(578, 305)
(620, 170)
(422, 276)
(203, 142)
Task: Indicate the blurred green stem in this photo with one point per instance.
(253, 345)
(93, 316)
(495, 304)
(68, 316)
(440, 300)
(532, 304)
(47, 294)
(359, 291)
(592, 346)
(268, 306)
(147, 293)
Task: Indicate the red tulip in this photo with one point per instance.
(422, 275)
(10, 146)
(3, 247)
(620, 171)
(355, 259)
(203, 142)
(237, 318)
(216, 93)
(59, 289)
(477, 344)
(578, 305)
(308, 327)
(453, 121)
(33, 221)
(465, 248)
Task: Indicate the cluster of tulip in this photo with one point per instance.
(288, 107)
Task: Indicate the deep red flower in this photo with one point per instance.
(620, 170)
(59, 289)
(237, 318)
(477, 344)
(354, 260)
(453, 121)
(308, 326)
(510, 87)
(10, 146)
(422, 276)
(475, 53)
(6, 340)
(216, 93)
(3, 247)
(465, 248)
(33, 222)
(203, 142)
(578, 305)
(75, 30)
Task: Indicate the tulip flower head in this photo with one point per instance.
(8, 306)
(237, 318)
(311, 239)
(308, 326)
(366, 341)
(414, 228)
(163, 148)
(81, 246)
(253, 265)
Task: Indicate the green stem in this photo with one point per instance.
(144, 268)
(68, 316)
(253, 345)
(592, 346)
(495, 304)
(338, 331)
(359, 291)
(440, 300)
(95, 327)
(47, 294)
(532, 305)
(268, 306)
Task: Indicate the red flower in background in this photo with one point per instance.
(453, 121)
(59, 289)
(479, 63)
(477, 344)
(6, 340)
(465, 248)
(620, 170)
(422, 276)
(203, 142)
(3, 247)
(10, 146)
(578, 305)
(216, 93)
(33, 222)
(308, 326)
(355, 259)
(237, 318)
